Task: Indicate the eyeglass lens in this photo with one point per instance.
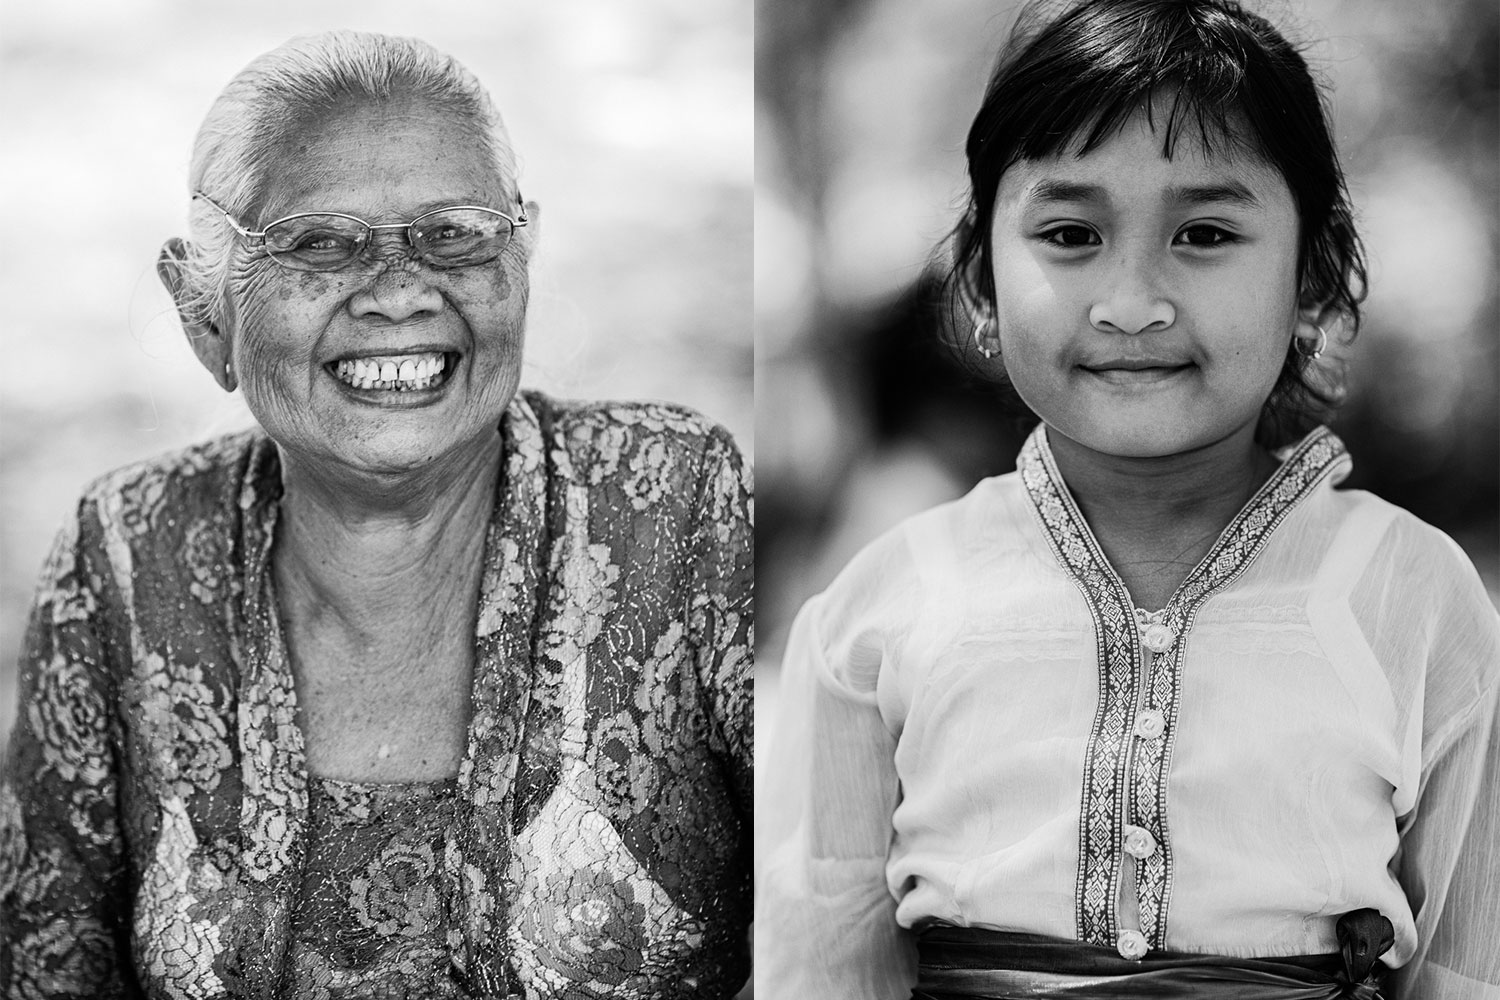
(458, 237)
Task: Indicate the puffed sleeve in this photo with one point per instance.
(1449, 864)
(63, 925)
(825, 919)
(722, 616)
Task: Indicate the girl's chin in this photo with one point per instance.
(1145, 436)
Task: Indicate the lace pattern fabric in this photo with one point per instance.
(157, 822)
(372, 916)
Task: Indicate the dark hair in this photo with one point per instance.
(1070, 82)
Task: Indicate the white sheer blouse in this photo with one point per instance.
(978, 728)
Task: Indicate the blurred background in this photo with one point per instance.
(633, 122)
(862, 107)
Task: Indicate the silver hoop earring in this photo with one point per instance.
(987, 344)
(1317, 351)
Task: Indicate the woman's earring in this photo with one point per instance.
(986, 338)
(229, 381)
(1319, 345)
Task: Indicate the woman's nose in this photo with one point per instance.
(399, 291)
(1132, 301)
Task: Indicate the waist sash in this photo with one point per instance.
(967, 963)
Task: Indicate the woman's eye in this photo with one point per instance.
(1071, 236)
(1205, 236)
(327, 242)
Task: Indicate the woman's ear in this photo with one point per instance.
(531, 233)
(209, 343)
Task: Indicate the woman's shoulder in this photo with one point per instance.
(600, 439)
(204, 473)
(581, 422)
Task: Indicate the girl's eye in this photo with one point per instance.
(1203, 235)
(1071, 236)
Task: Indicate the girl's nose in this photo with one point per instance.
(398, 291)
(1132, 302)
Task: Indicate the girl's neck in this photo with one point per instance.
(1156, 518)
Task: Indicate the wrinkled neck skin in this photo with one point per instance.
(375, 553)
(1155, 518)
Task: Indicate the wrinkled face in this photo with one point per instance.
(306, 344)
(1145, 305)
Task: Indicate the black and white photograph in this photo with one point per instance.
(750, 500)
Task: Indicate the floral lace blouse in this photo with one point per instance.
(371, 915)
(159, 832)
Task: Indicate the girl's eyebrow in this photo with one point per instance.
(1227, 193)
(1231, 193)
(1052, 190)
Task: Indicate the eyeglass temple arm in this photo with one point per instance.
(257, 239)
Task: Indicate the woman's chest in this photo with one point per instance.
(384, 721)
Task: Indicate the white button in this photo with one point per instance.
(1131, 945)
(1138, 842)
(1158, 637)
(1150, 724)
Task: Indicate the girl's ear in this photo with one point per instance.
(209, 343)
(1315, 324)
(969, 279)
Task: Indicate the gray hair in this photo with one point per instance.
(280, 92)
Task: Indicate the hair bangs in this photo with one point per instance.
(1186, 73)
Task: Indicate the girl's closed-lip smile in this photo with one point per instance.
(1136, 371)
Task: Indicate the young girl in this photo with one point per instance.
(1163, 713)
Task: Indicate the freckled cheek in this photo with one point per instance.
(492, 301)
(278, 319)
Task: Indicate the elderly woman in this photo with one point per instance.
(429, 688)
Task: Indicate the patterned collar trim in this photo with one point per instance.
(273, 762)
(1140, 662)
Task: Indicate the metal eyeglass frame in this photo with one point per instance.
(258, 239)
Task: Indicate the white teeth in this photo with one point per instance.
(400, 373)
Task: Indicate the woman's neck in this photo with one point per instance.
(1156, 518)
(371, 555)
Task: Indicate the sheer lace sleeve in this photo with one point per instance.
(63, 926)
(825, 921)
(1449, 864)
(722, 615)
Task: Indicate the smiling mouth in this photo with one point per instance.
(1135, 374)
(395, 372)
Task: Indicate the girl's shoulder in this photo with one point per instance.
(1415, 585)
(1393, 537)
(959, 539)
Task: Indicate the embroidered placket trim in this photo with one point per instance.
(1119, 770)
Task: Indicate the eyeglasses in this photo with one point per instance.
(457, 236)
